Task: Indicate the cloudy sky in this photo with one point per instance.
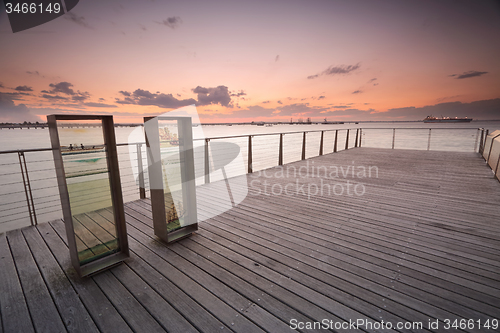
(256, 60)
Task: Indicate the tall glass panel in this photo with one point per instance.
(168, 131)
(84, 157)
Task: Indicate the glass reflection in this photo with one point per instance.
(87, 176)
(170, 148)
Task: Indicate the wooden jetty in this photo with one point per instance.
(422, 243)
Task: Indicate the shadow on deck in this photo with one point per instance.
(421, 243)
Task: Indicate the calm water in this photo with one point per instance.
(411, 135)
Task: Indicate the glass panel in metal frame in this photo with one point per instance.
(85, 157)
(87, 177)
(172, 181)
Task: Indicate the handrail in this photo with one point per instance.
(304, 148)
(262, 134)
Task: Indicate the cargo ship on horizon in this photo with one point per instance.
(432, 119)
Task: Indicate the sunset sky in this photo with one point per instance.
(256, 60)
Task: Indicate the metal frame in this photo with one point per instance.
(187, 178)
(103, 263)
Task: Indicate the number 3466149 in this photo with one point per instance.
(32, 8)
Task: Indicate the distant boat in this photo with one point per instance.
(269, 125)
(432, 119)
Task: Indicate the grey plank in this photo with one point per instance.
(182, 302)
(42, 309)
(75, 316)
(327, 216)
(95, 226)
(357, 298)
(282, 303)
(102, 311)
(372, 237)
(221, 310)
(302, 305)
(315, 258)
(138, 318)
(330, 252)
(14, 311)
(323, 224)
(156, 304)
(213, 284)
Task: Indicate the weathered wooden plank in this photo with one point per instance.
(153, 302)
(212, 283)
(319, 208)
(91, 244)
(14, 312)
(389, 278)
(282, 303)
(324, 219)
(365, 203)
(182, 302)
(304, 306)
(453, 253)
(74, 315)
(395, 257)
(324, 280)
(375, 311)
(41, 306)
(95, 225)
(328, 251)
(100, 308)
(138, 318)
(125, 303)
(228, 315)
(407, 242)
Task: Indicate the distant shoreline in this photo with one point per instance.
(44, 125)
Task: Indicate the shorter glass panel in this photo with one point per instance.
(87, 177)
(171, 161)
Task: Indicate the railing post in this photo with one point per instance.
(335, 142)
(477, 139)
(496, 169)
(27, 188)
(142, 187)
(484, 143)
(207, 163)
(481, 141)
(356, 141)
(429, 140)
(393, 137)
(360, 135)
(280, 156)
(347, 140)
(304, 146)
(250, 154)
(321, 144)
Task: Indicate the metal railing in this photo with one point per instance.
(29, 192)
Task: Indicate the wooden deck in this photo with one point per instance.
(422, 243)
